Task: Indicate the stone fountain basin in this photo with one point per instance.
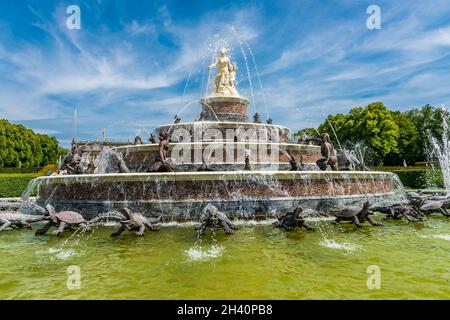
(244, 194)
(232, 155)
(200, 127)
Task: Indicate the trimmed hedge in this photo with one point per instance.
(14, 185)
(19, 170)
(416, 177)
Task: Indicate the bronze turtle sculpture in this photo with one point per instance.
(430, 206)
(414, 195)
(213, 218)
(63, 220)
(10, 220)
(357, 215)
(135, 222)
(410, 211)
(292, 220)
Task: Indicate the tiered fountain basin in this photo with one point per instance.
(241, 194)
(221, 155)
(224, 108)
(224, 146)
(227, 130)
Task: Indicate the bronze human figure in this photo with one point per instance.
(163, 163)
(328, 155)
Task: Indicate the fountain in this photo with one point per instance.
(439, 149)
(246, 169)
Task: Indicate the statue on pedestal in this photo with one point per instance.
(225, 79)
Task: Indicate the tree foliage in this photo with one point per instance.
(392, 136)
(21, 147)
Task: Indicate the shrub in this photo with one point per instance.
(14, 185)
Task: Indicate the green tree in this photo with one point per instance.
(20, 146)
(391, 136)
(427, 120)
(408, 141)
(374, 124)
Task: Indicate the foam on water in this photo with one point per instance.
(332, 244)
(58, 253)
(253, 222)
(196, 253)
(436, 236)
(319, 218)
(238, 222)
(179, 224)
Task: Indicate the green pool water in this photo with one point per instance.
(258, 262)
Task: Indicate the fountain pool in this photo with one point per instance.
(257, 262)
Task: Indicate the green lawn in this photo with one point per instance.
(6, 175)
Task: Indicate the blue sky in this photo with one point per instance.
(135, 64)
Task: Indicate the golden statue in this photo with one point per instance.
(225, 79)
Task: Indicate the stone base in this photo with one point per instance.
(223, 108)
(248, 194)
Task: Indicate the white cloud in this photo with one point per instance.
(135, 28)
(116, 77)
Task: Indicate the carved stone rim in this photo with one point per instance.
(214, 176)
(218, 98)
(215, 124)
(204, 144)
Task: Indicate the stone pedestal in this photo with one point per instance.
(224, 108)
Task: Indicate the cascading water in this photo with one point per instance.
(110, 161)
(439, 149)
(356, 154)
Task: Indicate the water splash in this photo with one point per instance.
(437, 236)
(357, 154)
(74, 124)
(57, 253)
(334, 132)
(197, 253)
(106, 218)
(333, 244)
(440, 149)
(110, 161)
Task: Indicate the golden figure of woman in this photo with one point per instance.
(223, 84)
